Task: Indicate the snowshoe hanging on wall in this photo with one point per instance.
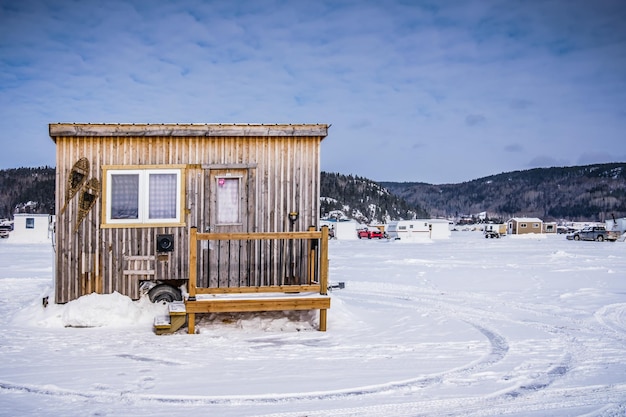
(87, 200)
(76, 179)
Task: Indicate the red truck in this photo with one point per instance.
(370, 233)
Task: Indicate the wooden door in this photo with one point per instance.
(229, 209)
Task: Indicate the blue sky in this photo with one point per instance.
(429, 91)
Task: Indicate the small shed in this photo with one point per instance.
(341, 229)
(525, 225)
(129, 197)
(439, 229)
(618, 225)
(31, 228)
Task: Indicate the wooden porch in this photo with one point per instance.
(258, 272)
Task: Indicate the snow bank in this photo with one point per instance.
(93, 310)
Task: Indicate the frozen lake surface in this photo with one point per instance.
(466, 326)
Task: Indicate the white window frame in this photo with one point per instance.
(142, 219)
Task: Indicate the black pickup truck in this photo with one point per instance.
(597, 233)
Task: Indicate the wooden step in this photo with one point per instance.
(174, 321)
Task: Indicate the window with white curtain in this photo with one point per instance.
(162, 188)
(124, 201)
(143, 196)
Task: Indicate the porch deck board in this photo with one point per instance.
(240, 304)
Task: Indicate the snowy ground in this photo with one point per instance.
(462, 327)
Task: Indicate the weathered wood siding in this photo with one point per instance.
(283, 175)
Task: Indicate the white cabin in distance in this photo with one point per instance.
(31, 228)
(418, 230)
(341, 229)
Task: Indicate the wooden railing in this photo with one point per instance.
(248, 263)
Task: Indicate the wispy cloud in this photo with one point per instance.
(514, 147)
(475, 119)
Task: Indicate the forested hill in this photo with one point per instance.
(578, 193)
(29, 190)
(347, 196)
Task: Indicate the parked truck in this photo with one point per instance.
(597, 233)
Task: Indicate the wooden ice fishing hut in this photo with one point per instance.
(227, 212)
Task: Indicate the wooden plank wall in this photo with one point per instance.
(91, 259)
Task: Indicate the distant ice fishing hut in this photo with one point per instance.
(418, 230)
(192, 211)
(31, 228)
(341, 229)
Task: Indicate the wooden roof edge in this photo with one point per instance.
(185, 129)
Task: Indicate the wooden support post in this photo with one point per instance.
(191, 323)
(193, 270)
(323, 318)
(324, 261)
(193, 257)
(323, 274)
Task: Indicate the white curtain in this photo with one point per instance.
(228, 200)
(124, 196)
(162, 196)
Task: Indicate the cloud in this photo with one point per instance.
(514, 147)
(520, 103)
(475, 119)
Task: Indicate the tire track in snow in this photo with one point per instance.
(499, 346)
(599, 400)
(613, 317)
(475, 318)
